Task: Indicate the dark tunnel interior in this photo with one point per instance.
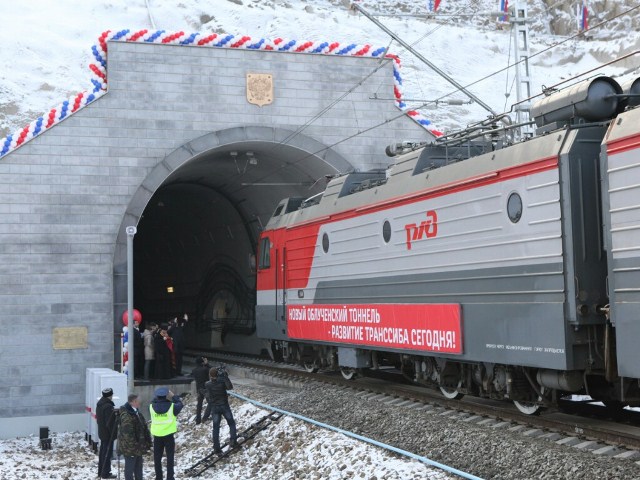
(194, 251)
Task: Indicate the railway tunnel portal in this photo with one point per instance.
(194, 251)
(175, 145)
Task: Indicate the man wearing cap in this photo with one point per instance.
(164, 409)
(107, 430)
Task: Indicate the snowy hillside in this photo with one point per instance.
(47, 45)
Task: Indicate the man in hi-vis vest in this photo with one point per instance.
(163, 411)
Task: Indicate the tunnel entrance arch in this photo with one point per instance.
(199, 213)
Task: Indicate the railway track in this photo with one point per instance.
(570, 426)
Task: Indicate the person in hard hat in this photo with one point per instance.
(163, 410)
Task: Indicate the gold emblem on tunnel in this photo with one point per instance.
(259, 88)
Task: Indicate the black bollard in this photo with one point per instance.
(45, 441)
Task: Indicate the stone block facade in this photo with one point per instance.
(66, 195)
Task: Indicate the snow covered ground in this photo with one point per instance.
(289, 449)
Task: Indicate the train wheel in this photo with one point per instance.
(348, 373)
(311, 367)
(452, 393)
(528, 408)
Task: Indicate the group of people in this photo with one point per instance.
(160, 348)
(129, 426)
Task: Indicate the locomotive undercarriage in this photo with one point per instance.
(530, 389)
(453, 379)
(486, 380)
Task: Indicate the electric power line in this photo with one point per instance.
(354, 87)
(401, 115)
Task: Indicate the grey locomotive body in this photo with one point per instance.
(473, 268)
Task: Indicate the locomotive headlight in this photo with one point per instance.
(300, 293)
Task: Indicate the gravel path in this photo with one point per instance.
(472, 448)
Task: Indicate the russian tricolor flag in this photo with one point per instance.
(504, 7)
(433, 5)
(582, 14)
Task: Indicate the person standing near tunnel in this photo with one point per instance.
(163, 353)
(149, 349)
(218, 399)
(201, 375)
(163, 410)
(176, 330)
(107, 431)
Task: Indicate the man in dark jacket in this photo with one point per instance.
(201, 376)
(134, 438)
(107, 430)
(219, 402)
(163, 410)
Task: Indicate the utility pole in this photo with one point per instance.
(520, 32)
(131, 231)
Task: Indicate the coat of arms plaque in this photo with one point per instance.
(259, 88)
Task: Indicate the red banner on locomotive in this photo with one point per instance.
(426, 327)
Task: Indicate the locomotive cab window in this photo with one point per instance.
(278, 210)
(265, 254)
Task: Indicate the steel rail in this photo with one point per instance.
(361, 438)
(551, 420)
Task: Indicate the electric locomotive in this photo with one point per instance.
(476, 265)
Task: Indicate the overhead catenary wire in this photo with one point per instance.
(424, 104)
(381, 63)
(318, 115)
(424, 60)
(153, 23)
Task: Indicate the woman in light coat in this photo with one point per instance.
(149, 349)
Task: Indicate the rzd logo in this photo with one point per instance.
(426, 229)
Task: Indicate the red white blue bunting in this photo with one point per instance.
(99, 71)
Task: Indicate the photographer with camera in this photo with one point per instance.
(216, 391)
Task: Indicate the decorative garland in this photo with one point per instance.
(99, 71)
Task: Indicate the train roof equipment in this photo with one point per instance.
(592, 100)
